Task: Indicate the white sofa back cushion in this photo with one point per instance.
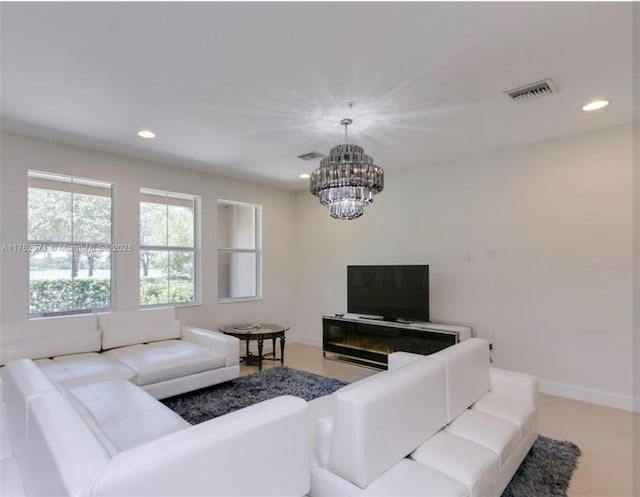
(62, 456)
(23, 382)
(48, 337)
(120, 329)
(380, 420)
(467, 365)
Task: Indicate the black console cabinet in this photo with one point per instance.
(371, 341)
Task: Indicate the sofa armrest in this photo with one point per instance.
(260, 450)
(515, 384)
(214, 340)
(399, 359)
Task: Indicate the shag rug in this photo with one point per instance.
(211, 402)
(545, 472)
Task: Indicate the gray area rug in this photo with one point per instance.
(211, 402)
(545, 472)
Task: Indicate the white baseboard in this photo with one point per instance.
(316, 342)
(608, 399)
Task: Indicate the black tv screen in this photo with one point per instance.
(390, 292)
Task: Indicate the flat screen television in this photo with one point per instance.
(389, 292)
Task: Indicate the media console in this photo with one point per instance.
(370, 341)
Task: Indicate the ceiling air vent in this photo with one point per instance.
(311, 156)
(537, 89)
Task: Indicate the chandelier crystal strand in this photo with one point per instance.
(347, 180)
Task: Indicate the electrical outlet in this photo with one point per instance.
(490, 346)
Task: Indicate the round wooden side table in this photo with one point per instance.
(258, 332)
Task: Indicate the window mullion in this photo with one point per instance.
(240, 251)
(163, 247)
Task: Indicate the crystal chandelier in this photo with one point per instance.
(347, 180)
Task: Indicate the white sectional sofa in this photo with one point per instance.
(441, 425)
(147, 347)
(84, 419)
(114, 439)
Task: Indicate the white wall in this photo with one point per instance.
(20, 153)
(556, 301)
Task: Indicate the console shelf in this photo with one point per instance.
(371, 341)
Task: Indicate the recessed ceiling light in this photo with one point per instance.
(595, 105)
(305, 175)
(146, 133)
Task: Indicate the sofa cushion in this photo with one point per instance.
(467, 366)
(23, 382)
(407, 478)
(48, 337)
(127, 415)
(91, 422)
(379, 420)
(11, 482)
(62, 456)
(497, 434)
(6, 449)
(511, 465)
(82, 369)
(473, 465)
(120, 329)
(502, 405)
(159, 361)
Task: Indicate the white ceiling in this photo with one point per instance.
(243, 88)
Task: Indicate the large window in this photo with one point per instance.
(69, 244)
(168, 248)
(239, 255)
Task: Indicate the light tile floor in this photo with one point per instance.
(604, 435)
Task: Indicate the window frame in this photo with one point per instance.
(196, 199)
(257, 250)
(31, 243)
